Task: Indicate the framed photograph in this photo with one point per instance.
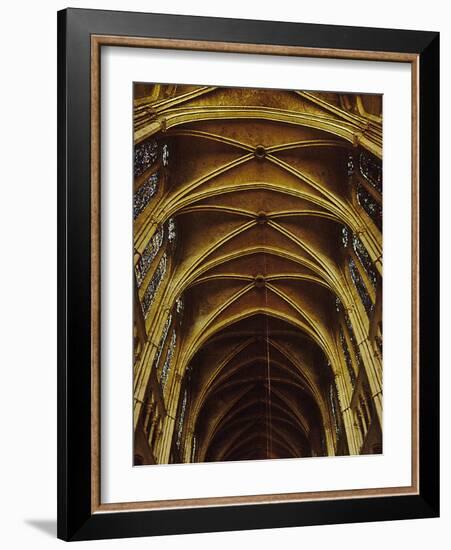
(248, 274)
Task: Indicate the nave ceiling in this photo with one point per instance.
(259, 190)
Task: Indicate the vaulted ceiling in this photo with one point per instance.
(257, 183)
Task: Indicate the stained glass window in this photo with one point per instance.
(193, 450)
(360, 286)
(179, 305)
(154, 284)
(142, 197)
(165, 155)
(171, 230)
(371, 170)
(147, 257)
(163, 340)
(370, 205)
(181, 418)
(347, 356)
(365, 259)
(167, 363)
(146, 154)
(334, 408)
(350, 330)
(353, 340)
(350, 165)
(345, 236)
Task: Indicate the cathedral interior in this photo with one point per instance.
(257, 274)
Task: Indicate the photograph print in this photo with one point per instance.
(257, 273)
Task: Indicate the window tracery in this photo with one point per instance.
(149, 254)
(171, 230)
(347, 356)
(360, 286)
(167, 363)
(143, 195)
(146, 154)
(155, 282)
(370, 205)
(334, 405)
(352, 339)
(364, 258)
(340, 309)
(193, 450)
(179, 305)
(163, 340)
(181, 418)
(350, 165)
(345, 236)
(165, 155)
(371, 169)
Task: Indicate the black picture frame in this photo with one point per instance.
(75, 518)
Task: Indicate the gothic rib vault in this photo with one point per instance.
(258, 274)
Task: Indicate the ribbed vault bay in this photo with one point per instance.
(258, 262)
